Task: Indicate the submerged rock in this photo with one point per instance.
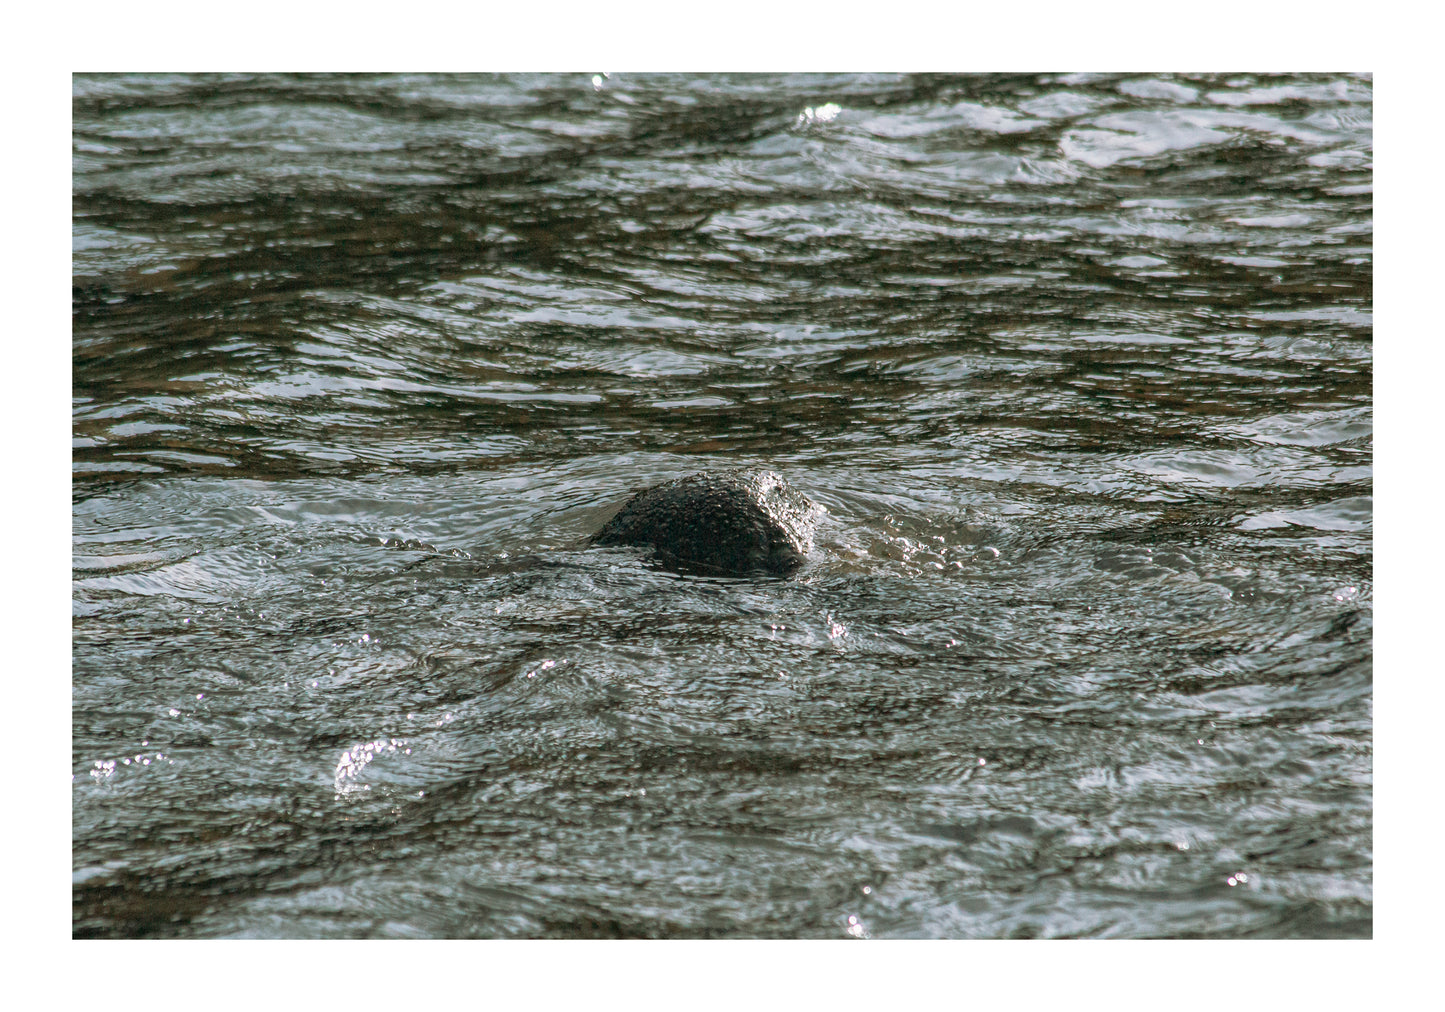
(724, 523)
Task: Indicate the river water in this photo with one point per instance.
(1079, 365)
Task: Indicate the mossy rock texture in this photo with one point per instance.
(719, 523)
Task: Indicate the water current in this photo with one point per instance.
(1079, 365)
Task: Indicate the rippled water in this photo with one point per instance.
(1080, 367)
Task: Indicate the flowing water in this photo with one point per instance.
(1079, 365)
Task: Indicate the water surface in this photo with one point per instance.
(1079, 365)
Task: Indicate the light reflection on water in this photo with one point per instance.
(1079, 365)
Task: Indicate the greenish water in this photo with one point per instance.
(1080, 366)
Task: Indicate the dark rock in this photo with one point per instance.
(727, 523)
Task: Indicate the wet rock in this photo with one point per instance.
(721, 523)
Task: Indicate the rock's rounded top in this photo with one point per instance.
(720, 523)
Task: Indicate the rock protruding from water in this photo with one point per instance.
(725, 523)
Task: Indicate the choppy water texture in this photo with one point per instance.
(1080, 367)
